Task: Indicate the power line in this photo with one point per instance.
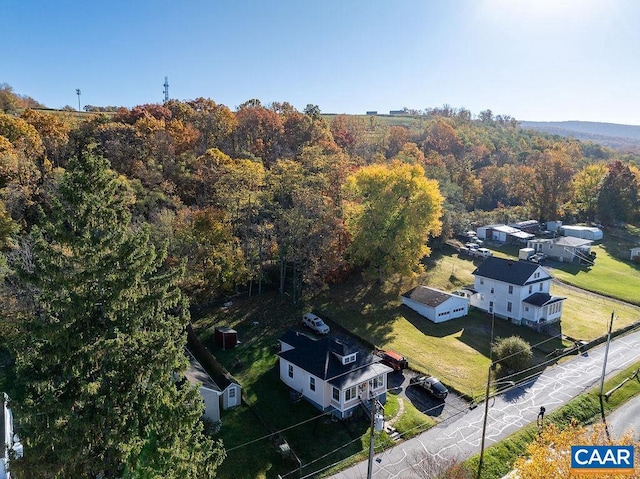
(276, 432)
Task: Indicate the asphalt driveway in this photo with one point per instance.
(398, 382)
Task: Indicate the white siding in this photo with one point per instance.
(454, 307)
(211, 403)
(497, 292)
(231, 396)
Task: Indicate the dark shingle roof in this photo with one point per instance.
(360, 375)
(429, 296)
(508, 271)
(542, 299)
(318, 356)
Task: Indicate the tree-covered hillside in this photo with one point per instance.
(624, 138)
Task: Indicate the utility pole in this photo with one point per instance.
(486, 395)
(606, 353)
(371, 438)
(78, 93)
(604, 370)
(484, 422)
(374, 412)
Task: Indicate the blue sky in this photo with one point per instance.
(545, 60)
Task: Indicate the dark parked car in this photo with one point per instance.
(394, 360)
(432, 385)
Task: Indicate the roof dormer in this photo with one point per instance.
(344, 353)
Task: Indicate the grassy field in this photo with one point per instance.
(609, 276)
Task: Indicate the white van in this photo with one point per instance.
(316, 324)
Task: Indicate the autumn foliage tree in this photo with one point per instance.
(619, 196)
(587, 184)
(550, 454)
(391, 212)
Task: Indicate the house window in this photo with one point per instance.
(378, 382)
(481, 280)
(350, 394)
(530, 288)
(349, 359)
(491, 289)
(336, 394)
(510, 289)
(232, 392)
(541, 286)
(290, 370)
(509, 307)
(312, 383)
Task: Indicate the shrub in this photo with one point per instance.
(512, 353)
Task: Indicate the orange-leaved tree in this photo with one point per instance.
(550, 454)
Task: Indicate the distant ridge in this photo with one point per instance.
(612, 135)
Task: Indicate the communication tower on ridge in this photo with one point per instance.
(166, 89)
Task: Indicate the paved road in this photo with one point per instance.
(626, 417)
(461, 437)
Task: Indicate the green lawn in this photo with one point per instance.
(609, 276)
(586, 316)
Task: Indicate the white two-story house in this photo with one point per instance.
(517, 291)
(330, 374)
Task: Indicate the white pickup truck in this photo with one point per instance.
(314, 323)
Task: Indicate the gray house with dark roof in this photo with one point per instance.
(331, 374)
(517, 291)
(436, 305)
(564, 248)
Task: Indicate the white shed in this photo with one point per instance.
(583, 232)
(435, 305)
(209, 390)
(635, 252)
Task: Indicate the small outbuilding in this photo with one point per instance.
(635, 254)
(503, 234)
(222, 393)
(436, 305)
(583, 232)
(226, 338)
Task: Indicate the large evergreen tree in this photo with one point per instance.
(99, 361)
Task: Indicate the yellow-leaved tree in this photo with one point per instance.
(391, 210)
(550, 455)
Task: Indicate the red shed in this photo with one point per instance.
(225, 337)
